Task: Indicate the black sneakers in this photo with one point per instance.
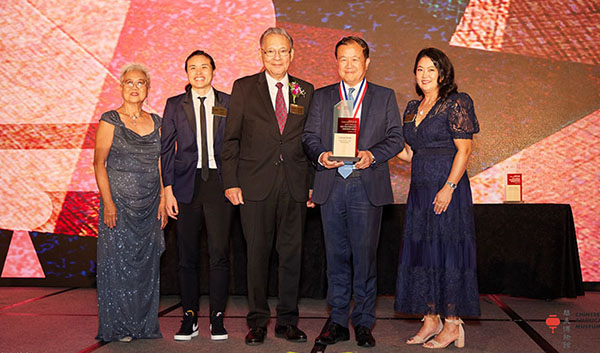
(189, 327)
(217, 329)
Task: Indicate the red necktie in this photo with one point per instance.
(280, 108)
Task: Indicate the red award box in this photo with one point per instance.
(514, 188)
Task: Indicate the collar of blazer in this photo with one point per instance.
(263, 91)
(188, 108)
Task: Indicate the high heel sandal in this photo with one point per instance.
(459, 342)
(418, 340)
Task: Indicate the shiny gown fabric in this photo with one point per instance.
(437, 271)
(129, 254)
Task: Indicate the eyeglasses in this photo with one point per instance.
(139, 84)
(270, 53)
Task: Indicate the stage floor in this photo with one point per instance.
(36, 319)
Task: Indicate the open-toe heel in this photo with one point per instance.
(459, 342)
(418, 340)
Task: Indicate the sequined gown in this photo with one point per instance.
(128, 256)
(437, 271)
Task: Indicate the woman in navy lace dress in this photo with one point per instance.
(437, 274)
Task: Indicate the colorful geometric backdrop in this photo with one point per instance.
(532, 68)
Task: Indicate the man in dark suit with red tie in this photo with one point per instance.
(352, 195)
(267, 173)
(192, 134)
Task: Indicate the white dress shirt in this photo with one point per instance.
(271, 83)
(209, 102)
(356, 99)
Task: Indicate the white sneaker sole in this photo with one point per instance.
(219, 337)
(186, 337)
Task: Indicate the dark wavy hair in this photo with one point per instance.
(202, 53)
(445, 69)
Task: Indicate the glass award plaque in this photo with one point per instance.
(345, 133)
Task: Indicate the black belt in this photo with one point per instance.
(435, 151)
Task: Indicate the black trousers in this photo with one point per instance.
(210, 210)
(280, 219)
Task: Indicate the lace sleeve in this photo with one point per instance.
(462, 121)
(410, 112)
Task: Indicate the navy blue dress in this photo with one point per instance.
(437, 271)
(129, 254)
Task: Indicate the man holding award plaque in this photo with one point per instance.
(353, 128)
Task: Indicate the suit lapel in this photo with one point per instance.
(263, 92)
(299, 98)
(188, 108)
(217, 118)
(365, 109)
(291, 101)
(335, 98)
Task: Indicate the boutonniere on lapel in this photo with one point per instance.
(296, 91)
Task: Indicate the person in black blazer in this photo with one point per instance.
(266, 171)
(352, 196)
(192, 135)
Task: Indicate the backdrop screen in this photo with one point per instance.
(531, 67)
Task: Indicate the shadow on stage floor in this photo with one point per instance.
(34, 319)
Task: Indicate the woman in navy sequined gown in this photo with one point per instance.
(131, 216)
(437, 268)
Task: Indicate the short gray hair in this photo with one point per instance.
(276, 30)
(135, 67)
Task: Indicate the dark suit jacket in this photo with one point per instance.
(253, 144)
(179, 149)
(380, 132)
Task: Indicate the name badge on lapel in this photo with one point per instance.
(220, 111)
(297, 109)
